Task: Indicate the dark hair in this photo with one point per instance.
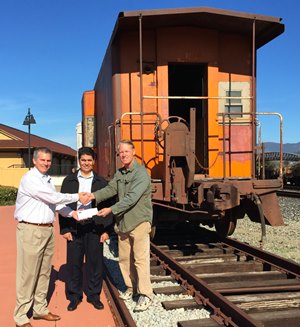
(41, 149)
(86, 150)
(127, 142)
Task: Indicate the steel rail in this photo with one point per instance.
(120, 311)
(287, 193)
(223, 309)
(284, 265)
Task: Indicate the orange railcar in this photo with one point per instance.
(181, 84)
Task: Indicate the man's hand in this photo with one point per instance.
(75, 215)
(85, 197)
(68, 236)
(104, 212)
(104, 237)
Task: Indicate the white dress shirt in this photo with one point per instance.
(37, 198)
(85, 185)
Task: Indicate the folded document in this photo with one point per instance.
(88, 213)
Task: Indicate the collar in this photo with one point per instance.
(38, 173)
(86, 177)
(131, 168)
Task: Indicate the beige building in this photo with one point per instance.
(14, 146)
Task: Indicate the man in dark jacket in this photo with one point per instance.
(84, 237)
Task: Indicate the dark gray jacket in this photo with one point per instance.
(71, 185)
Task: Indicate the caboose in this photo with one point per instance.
(181, 84)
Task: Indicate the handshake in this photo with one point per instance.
(85, 197)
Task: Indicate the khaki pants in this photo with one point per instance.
(134, 259)
(35, 249)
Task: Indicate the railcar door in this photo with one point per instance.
(190, 79)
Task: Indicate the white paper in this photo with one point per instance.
(88, 213)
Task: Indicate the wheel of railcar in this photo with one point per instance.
(226, 226)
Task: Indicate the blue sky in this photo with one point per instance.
(51, 52)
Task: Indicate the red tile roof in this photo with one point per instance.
(19, 140)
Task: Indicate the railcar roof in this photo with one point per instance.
(266, 27)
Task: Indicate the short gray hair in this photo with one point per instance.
(127, 142)
(41, 149)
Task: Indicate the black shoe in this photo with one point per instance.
(73, 304)
(96, 303)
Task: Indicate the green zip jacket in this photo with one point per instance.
(133, 187)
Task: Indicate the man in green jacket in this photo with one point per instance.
(133, 214)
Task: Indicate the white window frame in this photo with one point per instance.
(244, 88)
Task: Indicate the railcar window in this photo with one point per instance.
(234, 105)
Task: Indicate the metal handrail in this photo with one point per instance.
(253, 114)
(142, 114)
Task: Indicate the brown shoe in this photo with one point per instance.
(49, 317)
(28, 324)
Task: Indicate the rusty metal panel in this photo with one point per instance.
(267, 184)
(88, 121)
(271, 209)
(157, 190)
(89, 137)
(178, 186)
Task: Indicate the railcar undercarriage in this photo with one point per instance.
(196, 198)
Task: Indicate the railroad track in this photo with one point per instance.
(291, 187)
(238, 284)
(289, 193)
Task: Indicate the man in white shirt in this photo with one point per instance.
(35, 212)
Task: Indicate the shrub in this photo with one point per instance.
(8, 195)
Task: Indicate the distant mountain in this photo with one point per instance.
(287, 147)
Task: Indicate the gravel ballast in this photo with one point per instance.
(281, 240)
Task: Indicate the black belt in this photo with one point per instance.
(36, 224)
